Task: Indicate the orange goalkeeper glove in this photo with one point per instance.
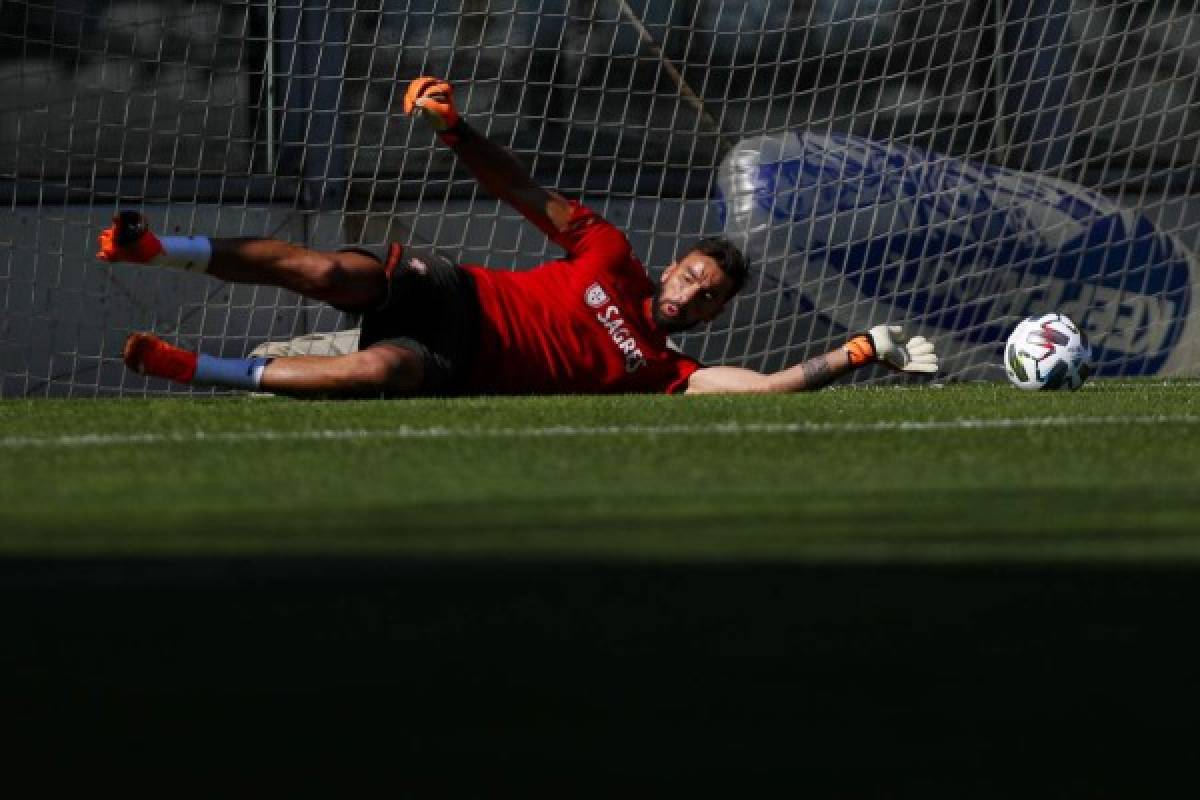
(129, 239)
(887, 343)
(432, 98)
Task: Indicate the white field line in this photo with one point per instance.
(581, 431)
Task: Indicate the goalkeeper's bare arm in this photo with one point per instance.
(496, 169)
(591, 322)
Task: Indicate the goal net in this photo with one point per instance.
(949, 166)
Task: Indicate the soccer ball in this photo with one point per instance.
(1047, 352)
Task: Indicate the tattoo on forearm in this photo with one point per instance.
(817, 372)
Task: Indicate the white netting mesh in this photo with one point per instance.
(951, 165)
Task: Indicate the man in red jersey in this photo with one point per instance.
(592, 322)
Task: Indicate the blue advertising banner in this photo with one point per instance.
(863, 230)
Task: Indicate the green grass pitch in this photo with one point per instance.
(971, 472)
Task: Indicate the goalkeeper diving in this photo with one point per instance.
(590, 322)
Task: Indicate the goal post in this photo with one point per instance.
(946, 165)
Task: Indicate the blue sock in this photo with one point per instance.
(233, 373)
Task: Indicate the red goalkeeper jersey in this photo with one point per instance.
(581, 324)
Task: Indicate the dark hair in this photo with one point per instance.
(728, 257)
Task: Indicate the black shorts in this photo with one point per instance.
(432, 308)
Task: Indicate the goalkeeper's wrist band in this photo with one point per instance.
(861, 350)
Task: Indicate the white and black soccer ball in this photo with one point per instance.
(1047, 352)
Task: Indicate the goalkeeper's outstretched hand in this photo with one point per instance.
(128, 239)
(900, 352)
(433, 99)
(888, 344)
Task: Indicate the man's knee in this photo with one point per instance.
(317, 271)
(391, 368)
(348, 279)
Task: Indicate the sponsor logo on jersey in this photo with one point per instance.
(595, 296)
(609, 316)
(418, 266)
